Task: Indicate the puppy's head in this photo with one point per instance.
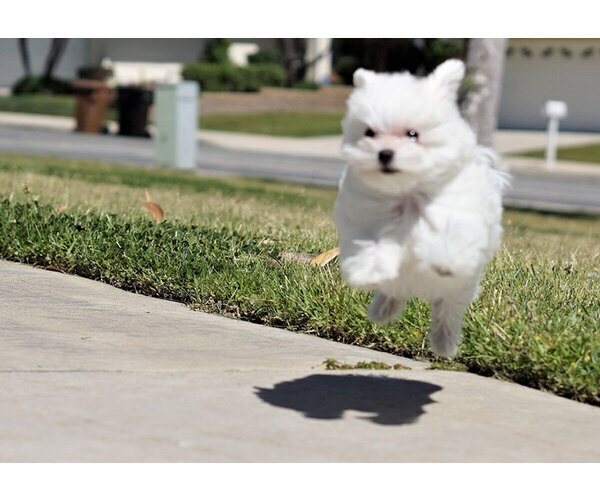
(402, 131)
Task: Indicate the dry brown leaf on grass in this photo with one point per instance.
(153, 208)
(55, 269)
(311, 258)
(325, 258)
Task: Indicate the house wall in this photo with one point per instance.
(11, 68)
(177, 50)
(560, 69)
(536, 70)
(90, 51)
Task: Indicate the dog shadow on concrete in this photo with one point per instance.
(389, 401)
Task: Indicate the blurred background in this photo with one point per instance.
(206, 104)
(535, 70)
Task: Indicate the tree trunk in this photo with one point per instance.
(24, 51)
(54, 54)
(485, 69)
(293, 54)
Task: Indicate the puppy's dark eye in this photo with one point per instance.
(370, 132)
(413, 135)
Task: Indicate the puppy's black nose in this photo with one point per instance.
(385, 156)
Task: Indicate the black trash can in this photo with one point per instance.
(133, 103)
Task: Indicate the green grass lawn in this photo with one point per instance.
(536, 322)
(57, 105)
(589, 153)
(280, 123)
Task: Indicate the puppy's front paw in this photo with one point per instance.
(359, 274)
(370, 267)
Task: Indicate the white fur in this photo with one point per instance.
(429, 228)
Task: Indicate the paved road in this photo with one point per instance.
(554, 193)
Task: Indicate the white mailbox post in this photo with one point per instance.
(555, 111)
(176, 115)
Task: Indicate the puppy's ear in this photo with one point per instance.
(448, 76)
(361, 77)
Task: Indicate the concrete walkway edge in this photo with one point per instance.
(91, 373)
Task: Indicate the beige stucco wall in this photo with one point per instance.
(11, 68)
(530, 81)
(179, 50)
(175, 50)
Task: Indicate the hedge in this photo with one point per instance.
(41, 85)
(227, 77)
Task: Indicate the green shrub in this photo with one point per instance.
(220, 77)
(94, 73)
(267, 56)
(345, 68)
(230, 78)
(437, 50)
(307, 85)
(41, 85)
(249, 81)
(268, 75)
(217, 51)
(393, 54)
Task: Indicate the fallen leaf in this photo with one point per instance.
(325, 258)
(52, 268)
(61, 208)
(153, 208)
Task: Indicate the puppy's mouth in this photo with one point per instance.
(386, 169)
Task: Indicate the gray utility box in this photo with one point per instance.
(176, 115)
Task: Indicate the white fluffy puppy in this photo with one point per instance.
(420, 204)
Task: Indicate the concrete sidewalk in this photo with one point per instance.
(93, 373)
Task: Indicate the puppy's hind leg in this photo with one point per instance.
(446, 329)
(384, 308)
